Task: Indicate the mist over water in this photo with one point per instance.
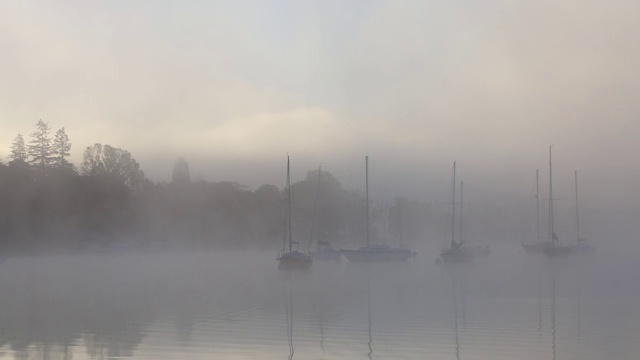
(142, 172)
(239, 305)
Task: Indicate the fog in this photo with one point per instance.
(235, 86)
(233, 304)
(143, 159)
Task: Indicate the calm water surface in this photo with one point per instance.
(234, 305)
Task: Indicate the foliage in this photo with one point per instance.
(99, 160)
(39, 148)
(110, 201)
(18, 149)
(61, 150)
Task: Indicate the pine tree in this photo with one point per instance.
(18, 149)
(61, 150)
(39, 148)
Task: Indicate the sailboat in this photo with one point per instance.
(291, 258)
(553, 248)
(581, 246)
(455, 253)
(323, 251)
(374, 253)
(477, 250)
(538, 246)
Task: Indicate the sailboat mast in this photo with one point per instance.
(285, 211)
(577, 213)
(537, 206)
(366, 160)
(289, 202)
(315, 207)
(461, 210)
(453, 213)
(399, 221)
(551, 233)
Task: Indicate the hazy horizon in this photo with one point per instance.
(234, 86)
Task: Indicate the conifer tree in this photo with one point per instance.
(61, 150)
(39, 148)
(18, 149)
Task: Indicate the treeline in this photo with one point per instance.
(47, 203)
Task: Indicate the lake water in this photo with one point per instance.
(237, 305)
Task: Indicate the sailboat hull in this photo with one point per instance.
(294, 259)
(557, 251)
(389, 255)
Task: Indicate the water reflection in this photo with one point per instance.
(46, 312)
(289, 311)
(458, 274)
(370, 354)
(237, 305)
(553, 306)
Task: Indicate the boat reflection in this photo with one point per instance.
(458, 273)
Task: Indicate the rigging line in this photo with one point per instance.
(446, 228)
(315, 207)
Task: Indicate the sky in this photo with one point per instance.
(234, 86)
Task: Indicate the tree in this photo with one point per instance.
(99, 160)
(18, 149)
(181, 173)
(39, 148)
(61, 150)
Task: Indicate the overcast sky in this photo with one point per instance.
(233, 86)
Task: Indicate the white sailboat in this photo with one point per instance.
(374, 253)
(323, 251)
(553, 248)
(538, 246)
(291, 258)
(581, 246)
(455, 253)
(479, 251)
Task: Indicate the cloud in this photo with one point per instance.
(488, 84)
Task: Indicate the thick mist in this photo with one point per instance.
(227, 304)
(144, 204)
